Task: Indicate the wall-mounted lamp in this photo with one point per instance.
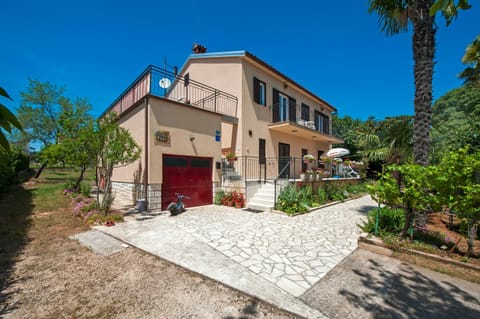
(250, 133)
(285, 85)
(192, 138)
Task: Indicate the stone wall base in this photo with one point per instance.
(127, 194)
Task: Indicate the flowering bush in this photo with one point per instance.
(87, 209)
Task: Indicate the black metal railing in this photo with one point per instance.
(186, 90)
(307, 117)
(167, 84)
(250, 168)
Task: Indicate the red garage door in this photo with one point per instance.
(190, 176)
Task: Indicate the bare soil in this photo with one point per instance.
(47, 275)
(440, 222)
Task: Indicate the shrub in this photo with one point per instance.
(290, 201)
(335, 192)
(11, 163)
(85, 189)
(322, 196)
(218, 197)
(390, 221)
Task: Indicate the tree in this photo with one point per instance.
(456, 181)
(39, 111)
(456, 121)
(404, 186)
(471, 75)
(114, 147)
(396, 16)
(77, 131)
(7, 121)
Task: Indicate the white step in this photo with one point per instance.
(262, 201)
(260, 207)
(263, 196)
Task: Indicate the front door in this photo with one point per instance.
(283, 160)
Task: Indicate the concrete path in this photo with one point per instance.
(271, 256)
(366, 285)
(99, 243)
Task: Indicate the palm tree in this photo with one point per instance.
(396, 16)
(7, 120)
(471, 74)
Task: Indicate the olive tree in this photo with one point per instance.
(114, 147)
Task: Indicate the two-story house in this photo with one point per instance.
(217, 103)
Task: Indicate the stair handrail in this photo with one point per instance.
(275, 182)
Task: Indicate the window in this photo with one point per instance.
(305, 112)
(283, 108)
(259, 91)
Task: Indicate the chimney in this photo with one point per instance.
(198, 48)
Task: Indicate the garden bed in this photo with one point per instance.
(440, 239)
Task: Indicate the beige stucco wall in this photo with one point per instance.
(235, 76)
(224, 74)
(134, 122)
(257, 117)
(183, 123)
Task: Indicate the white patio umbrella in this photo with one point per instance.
(338, 152)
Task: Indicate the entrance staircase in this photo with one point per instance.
(263, 200)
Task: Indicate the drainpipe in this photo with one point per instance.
(145, 177)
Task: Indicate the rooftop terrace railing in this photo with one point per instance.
(166, 84)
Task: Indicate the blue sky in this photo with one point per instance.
(96, 48)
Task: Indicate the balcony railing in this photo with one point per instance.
(166, 84)
(250, 168)
(311, 119)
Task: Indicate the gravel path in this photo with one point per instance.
(69, 281)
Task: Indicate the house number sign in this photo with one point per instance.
(162, 137)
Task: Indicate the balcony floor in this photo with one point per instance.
(304, 132)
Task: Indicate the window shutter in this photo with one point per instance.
(305, 112)
(256, 90)
(261, 151)
(275, 106)
(318, 121)
(292, 109)
(326, 124)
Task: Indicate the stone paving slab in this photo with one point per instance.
(271, 256)
(100, 243)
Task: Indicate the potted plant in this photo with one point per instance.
(239, 201)
(230, 156)
(309, 173)
(308, 158)
(302, 176)
(319, 174)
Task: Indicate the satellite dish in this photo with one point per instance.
(338, 152)
(164, 83)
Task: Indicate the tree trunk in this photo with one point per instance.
(409, 214)
(80, 178)
(421, 219)
(41, 169)
(472, 234)
(107, 194)
(423, 55)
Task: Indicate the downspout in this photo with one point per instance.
(145, 177)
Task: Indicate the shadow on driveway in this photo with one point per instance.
(373, 286)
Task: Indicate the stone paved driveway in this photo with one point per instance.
(291, 252)
(268, 255)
